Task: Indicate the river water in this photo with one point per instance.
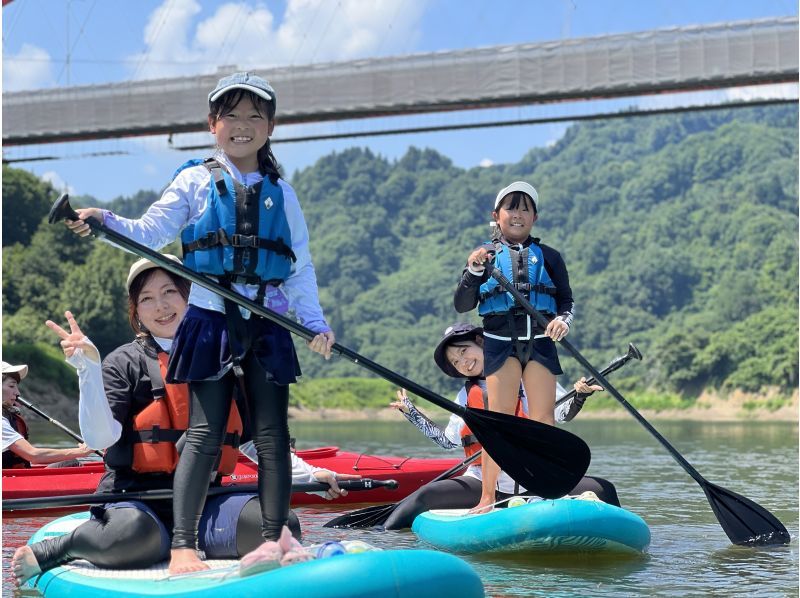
(689, 554)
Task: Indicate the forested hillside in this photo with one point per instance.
(679, 232)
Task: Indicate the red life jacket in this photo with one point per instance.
(157, 427)
(477, 398)
(11, 460)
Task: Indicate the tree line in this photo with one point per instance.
(679, 232)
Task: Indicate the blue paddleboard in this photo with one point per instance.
(548, 525)
(385, 573)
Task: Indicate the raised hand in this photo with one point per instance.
(74, 339)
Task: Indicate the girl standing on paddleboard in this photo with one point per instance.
(240, 222)
(515, 347)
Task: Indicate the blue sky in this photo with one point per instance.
(50, 43)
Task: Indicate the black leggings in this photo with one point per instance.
(464, 492)
(267, 417)
(129, 538)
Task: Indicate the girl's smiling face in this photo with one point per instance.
(241, 132)
(466, 357)
(515, 221)
(160, 305)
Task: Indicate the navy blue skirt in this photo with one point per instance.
(200, 349)
(495, 353)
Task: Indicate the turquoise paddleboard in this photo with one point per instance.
(384, 573)
(547, 525)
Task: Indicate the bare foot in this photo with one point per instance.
(24, 564)
(484, 506)
(185, 560)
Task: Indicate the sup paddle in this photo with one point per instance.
(56, 423)
(547, 460)
(745, 522)
(377, 515)
(633, 353)
(99, 498)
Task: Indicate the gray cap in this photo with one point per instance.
(246, 81)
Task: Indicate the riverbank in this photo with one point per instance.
(735, 407)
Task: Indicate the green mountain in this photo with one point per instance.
(679, 232)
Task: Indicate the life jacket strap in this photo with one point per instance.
(220, 237)
(155, 435)
(522, 287)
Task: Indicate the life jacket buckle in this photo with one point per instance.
(244, 241)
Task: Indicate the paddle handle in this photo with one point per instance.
(542, 321)
(633, 353)
(56, 423)
(70, 500)
(62, 210)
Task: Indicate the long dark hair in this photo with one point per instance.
(267, 163)
(137, 285)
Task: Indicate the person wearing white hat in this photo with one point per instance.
(240, 222)
(120, 402)
(515, 346)
(18, 452)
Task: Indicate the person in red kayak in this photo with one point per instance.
(120, 404)
(459, 354)
(18, 452)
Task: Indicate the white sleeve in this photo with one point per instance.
(301, 286)
(301, 471)
(10, 435)
(456, 424)
(98, 427)
(180, 204)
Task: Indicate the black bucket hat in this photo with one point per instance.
(453, 334)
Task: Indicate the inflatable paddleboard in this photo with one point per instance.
(546, 525)
(384, 573)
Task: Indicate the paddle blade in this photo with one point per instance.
(363, 518)
(546, 460)
(745, 522)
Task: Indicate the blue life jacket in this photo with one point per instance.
(525, 269)
(243, 234)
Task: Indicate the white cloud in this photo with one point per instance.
(30, 68)
(247, 34)
(59, 184)
(486, 163)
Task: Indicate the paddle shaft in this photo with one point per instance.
(23, 504)
(61, 209)
(611, 367)
(542, 321)
(56, 423)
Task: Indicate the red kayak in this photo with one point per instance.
(410, 474)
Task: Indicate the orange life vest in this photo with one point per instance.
(477, 398)
(157, 427)
(11, 460)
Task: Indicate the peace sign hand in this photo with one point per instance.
(74, 339)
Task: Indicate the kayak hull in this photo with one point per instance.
(562, 525)
(410, 473)
(390, 573)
